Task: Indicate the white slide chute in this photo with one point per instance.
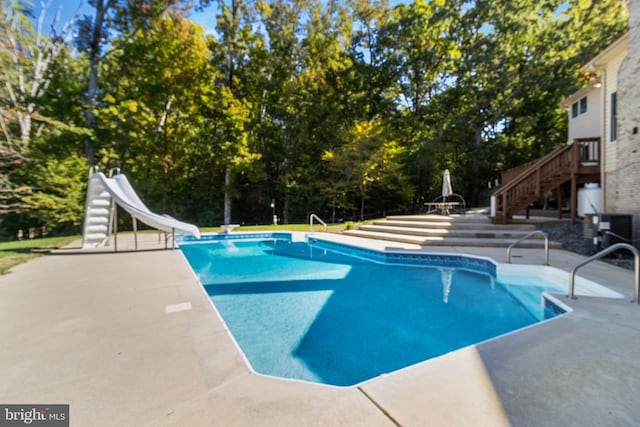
(99, 213)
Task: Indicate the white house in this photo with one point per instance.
(593, 112)
(604, 143)
(585, 108)
(609, 108)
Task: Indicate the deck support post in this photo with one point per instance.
(574, 197)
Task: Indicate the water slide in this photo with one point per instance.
(101, 194)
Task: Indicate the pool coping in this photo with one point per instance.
(91, 328)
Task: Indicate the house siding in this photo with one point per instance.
(627, 186)
(611, 86)
(587, 125)
(627, 181)
(610, 162)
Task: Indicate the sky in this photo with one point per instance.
(68, 8)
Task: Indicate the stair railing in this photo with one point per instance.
(530, 181)
(546, 245)
(317, 218)
(605, 252)
(564, 161)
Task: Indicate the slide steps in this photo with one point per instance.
(98, 212)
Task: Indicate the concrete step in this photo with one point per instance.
(474, 219)
(450, 241)
(434, 225)
(484, 233)
(450, 230)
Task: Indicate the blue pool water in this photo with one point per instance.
(328, 313)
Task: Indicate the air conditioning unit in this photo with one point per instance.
(602, 230)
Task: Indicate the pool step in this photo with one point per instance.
(529, 297)
(454, 230)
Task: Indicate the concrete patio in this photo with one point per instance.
(131, 339)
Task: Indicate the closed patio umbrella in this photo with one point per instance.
(446, 185)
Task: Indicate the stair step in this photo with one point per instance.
(100, 203)
(95, 237)
(528, 296)
(486, 233)
(453, 219)
(99, 228)
(94, 220)
(449, 241)
(98, 211)
(435, 225)
(466, 230)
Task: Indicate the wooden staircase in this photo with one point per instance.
(573, 163)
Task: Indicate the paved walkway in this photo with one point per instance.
(130, 339)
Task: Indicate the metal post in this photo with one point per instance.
(135, 231)
(115, 226)
(273, 211)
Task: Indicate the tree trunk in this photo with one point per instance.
(94, 63)
(227, 196)
(285, 208)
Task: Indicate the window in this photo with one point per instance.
(614, 116)
(579, 107)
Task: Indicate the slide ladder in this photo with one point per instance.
(98, 217)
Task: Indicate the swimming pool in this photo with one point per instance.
(324, 312)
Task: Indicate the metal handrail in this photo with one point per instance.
(317, 218)
(546, 246)
(604, 252)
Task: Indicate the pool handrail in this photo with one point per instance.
(604, 252)
(317, 218)
(546, 245)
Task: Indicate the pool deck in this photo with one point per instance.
(130, 339)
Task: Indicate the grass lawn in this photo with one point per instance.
(14, 253)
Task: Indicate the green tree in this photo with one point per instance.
(57, 183)
(233, 141)
(304, 97)
(368, 157)
(26, 54)
(121, 17)
(154, 88)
